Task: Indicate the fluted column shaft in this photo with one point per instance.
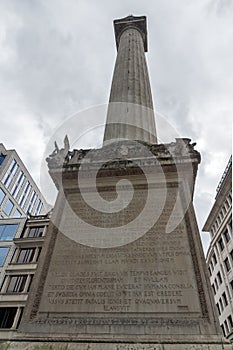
(130, 113)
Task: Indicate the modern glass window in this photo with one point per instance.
(26, 255)
(36, 231)
(8, 207)
(8, 231)
(7, 316)
(221, 244)
(19, 184)
(227, 264)
(227, 236)
(219, 277)
(2, 157)
(16, 284)
(10, 174)
(2, 195)
(3, 254)
(17, 214)
(39, 207)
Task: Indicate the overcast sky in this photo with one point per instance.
(57, 58)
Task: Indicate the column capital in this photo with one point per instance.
(139, 23)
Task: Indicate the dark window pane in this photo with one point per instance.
(2, 157)
(26, 255)
(36, 231)
(225, 298)
(214, 259)
(219, 277)
(227, 264)
(3, 254)
(227, 236)
(7, 316)
(221, 244)
(223, 330)
(16, 284)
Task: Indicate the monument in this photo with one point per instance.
(122, 267)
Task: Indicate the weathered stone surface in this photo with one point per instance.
(112, 346)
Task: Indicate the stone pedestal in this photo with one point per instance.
(131, 275)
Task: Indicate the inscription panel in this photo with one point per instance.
(153, 274)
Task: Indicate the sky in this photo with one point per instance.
(57, 59)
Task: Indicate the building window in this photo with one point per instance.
(231, 283)
(227, 264)
(209, 269)
(230, 321)
(225, 299)
(3, 254)
(16, 284)
(214, 290)
(214, 259)
(7, 316)
(8, 207)
(219, 311)
(17, 214)
(2, 196)
(223, 330)
(221, 244)
(8, 231)
(226, 326)
(227, 236)
(219, 277)
(216, 283)
(221, 304)
(231, 254)
(2, 157)
(36, 231)
(26, 255)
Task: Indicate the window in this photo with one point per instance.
(231, 254)
(216, 283)
(36, 231)
(221, 244)
(219, 277)
(26, 255)
(17, 214)
(8, 207)
(2, 196)
(231, 283)
(230, 321)
(219, 311)
(225, 299)
(7, 316)
(16, 284)
(3, 254)
(214, 290)
(214, 259)
(8, 231)
(227, 236)
(39, 207)
(227, 264)
(221, 304)
(223, 330)
(209, 270)
(226, 326)
(2, 157)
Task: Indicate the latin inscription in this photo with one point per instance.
(152, 274)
